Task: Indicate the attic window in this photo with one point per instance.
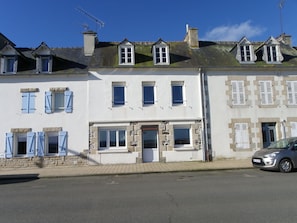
(161, 53)
(245, 51)
(272, 52)
(44, 64)
(8, 64)
(126, 53)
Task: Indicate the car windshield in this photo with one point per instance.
(281, 144)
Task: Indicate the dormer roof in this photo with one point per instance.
(43, 50)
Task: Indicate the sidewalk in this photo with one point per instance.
(119, 169)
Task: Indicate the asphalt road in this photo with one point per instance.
(215, 196)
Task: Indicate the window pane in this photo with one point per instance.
(9, 65)
(112, 138)
(122, 138)
(148, 95)
(118, 95)
(177, 94)
(149, 139)
(22, 145)
(59, 101)
(44, 64)
(102, 138)
(53, 144)
(181, 136)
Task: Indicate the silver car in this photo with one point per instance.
(280, 155)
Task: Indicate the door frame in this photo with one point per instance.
(150, 154)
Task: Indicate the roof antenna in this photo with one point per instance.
(281, 5)
(97, 21)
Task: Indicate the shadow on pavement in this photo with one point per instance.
(17, 178)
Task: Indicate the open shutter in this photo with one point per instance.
(48, 102)
(9, 145)
(25, 103)
(62, 143)
(31, 144)
(40, 144)
(68, 101)
(31, 102)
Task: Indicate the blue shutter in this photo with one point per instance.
(8, 145)
(31, 144)
(48, 102)
(62, 143)
(68, 101)
(25, 101)
(40, 143)
(31, 102)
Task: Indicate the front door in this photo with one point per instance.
(268, 133)
(150, 151)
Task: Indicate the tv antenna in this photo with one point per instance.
(97, 21)
(281, 5)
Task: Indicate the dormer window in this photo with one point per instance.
(271, 51)
(245, 51)
(9, 60)
(44, 59)
(126, 53)
(44, 64)
(161, 53)
(9, 64)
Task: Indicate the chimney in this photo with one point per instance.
(286, 39)
(192, 37)
(90, 40)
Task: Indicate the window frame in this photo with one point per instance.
(4, 63)
(107, 134)
(188, 128)
(241, 136)
(180, 100)
(161, 54)
(50, 101)
(152, 98)
(40, 64)
(115, 101)
(124, 55)
(291, 94)
(266, 96)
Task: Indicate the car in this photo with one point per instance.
(280, 155)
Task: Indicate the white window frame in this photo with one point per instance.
(161, 54)
(238, 92)
(39, 64)
(121, 85)
(246, 53)
(48, 135)
(183, 146)
(108, 136)
(148, 84)
(178, 84)
(241, 133)
(292, 92)
(266, 92)
(20, 137)
(125, 55)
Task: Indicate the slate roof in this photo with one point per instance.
(209, 54)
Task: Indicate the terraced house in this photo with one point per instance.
(131, 102)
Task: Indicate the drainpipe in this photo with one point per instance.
(207, 151)
(284, 128)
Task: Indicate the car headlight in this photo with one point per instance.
(271, 155)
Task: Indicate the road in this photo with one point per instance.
(214, 196)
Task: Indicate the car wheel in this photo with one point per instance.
(285, 166)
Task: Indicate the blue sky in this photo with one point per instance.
(58, 22)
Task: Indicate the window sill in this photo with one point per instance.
(113, 151)
(190, 148)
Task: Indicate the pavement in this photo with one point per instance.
(121, 169)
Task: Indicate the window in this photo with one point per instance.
(241, 136)
(238, 94)
(118, 94)
(28, 102)
(292, 92)
(245, 52)
(52, 143)
(161, 53)
(58, 100)
(266, 95)
(126, 55)
(182, 136)
(271, 54)
(9, 64)
(44, 64)
(112, 138)
(148, 91)
(20, 144)
(177, 93)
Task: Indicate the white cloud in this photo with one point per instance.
(234, 32)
